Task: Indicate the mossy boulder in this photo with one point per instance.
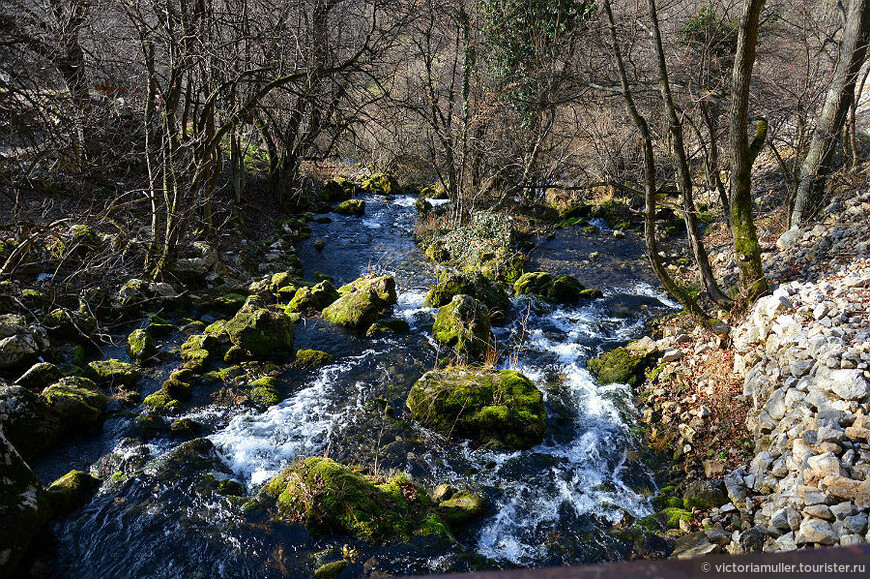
(264, 392)
(704, 494)
(461, 508)
(314, 297)
(328, 497)
(388, 326)
(76, 400)
(362, 302)
(39, 376)
(475, 284)
(355, 207)
(381, 184)
(338, 189)
(484, 405)
(463, 324)
(24, 507)
(261, 332)
(68, 324)
(70, 491)
(384, 287)
(620, 366)
(27, 421)
(198, 350)
(113, 373)
(674, 515)
(559, 289)
(330, 570)
(81, 239)
(312, 358)
(140, 345)
(20, 343)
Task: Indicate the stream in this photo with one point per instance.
(555, 504)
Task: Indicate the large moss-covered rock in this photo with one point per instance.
(312, 358)
(69, 491)
(113, 373)
(381, 184)
(362, 302)
(356, 207)
(338, 189)
(560, 289)
(197, 351)
(27, 421)
(461, 509)
(261, 332)
(620, 366)
(39, 376)
(384, 287)
(475, 284)
(314, 297)
(484, 405)
(140, 345)
(389, 326)
(76, 400)
(264, 392)
(24, 508)
(463, 324)
(329, 497)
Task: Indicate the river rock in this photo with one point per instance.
(39, 376)
(463, 324)
(314, 297)
(355, 207)
(27, 421)
(24, 508)
(620, 366)
(76, 400)
(330, 497)
(69, 491)
(484, 405)
(113, 373)
(560, 289)
(20, 342)
(261, 332)
(140, 345)
(475, 284)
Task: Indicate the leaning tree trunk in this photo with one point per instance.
(682, 165)
(747, 251)
(817, 163)
(650, 186)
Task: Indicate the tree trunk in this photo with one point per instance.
(817, 163)
(746, 248)
(682, 166)
(650, 186)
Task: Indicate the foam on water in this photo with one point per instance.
(258, 446)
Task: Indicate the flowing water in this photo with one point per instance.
(555, 504)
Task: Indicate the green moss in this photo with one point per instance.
(620, 366)
(384, 287)
(561, 289)
(485, 405)
(67, 492)
(357, 309)
(329, 497)
(461, 509)
(315, 297)
(113, 372)
(264, 392)
(474, 284)
(390, 326)
(76, 400)
(674, 515)
(140, 345)
(355, 207)
(312, 358)
(330, 570)
(160, 401)
(381, 184)
(650, 524)
(39, 376)
(261, 332)
(463, 324)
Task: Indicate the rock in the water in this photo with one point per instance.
(24, 508)
(27, 421)
(312, 358)
(463, 324)
(140, 345)
(388, 326)
(474, 284)
(113, 373)
(261, 332)
(315, 297)
(485, 405)
(620, 366)
(332, 498)
(560, 289)
(19, 342)
(461, 509)
(76, 400)
(70, 490)
(362, 302)
(355, 207)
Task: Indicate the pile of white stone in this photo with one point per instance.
(805, 354)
